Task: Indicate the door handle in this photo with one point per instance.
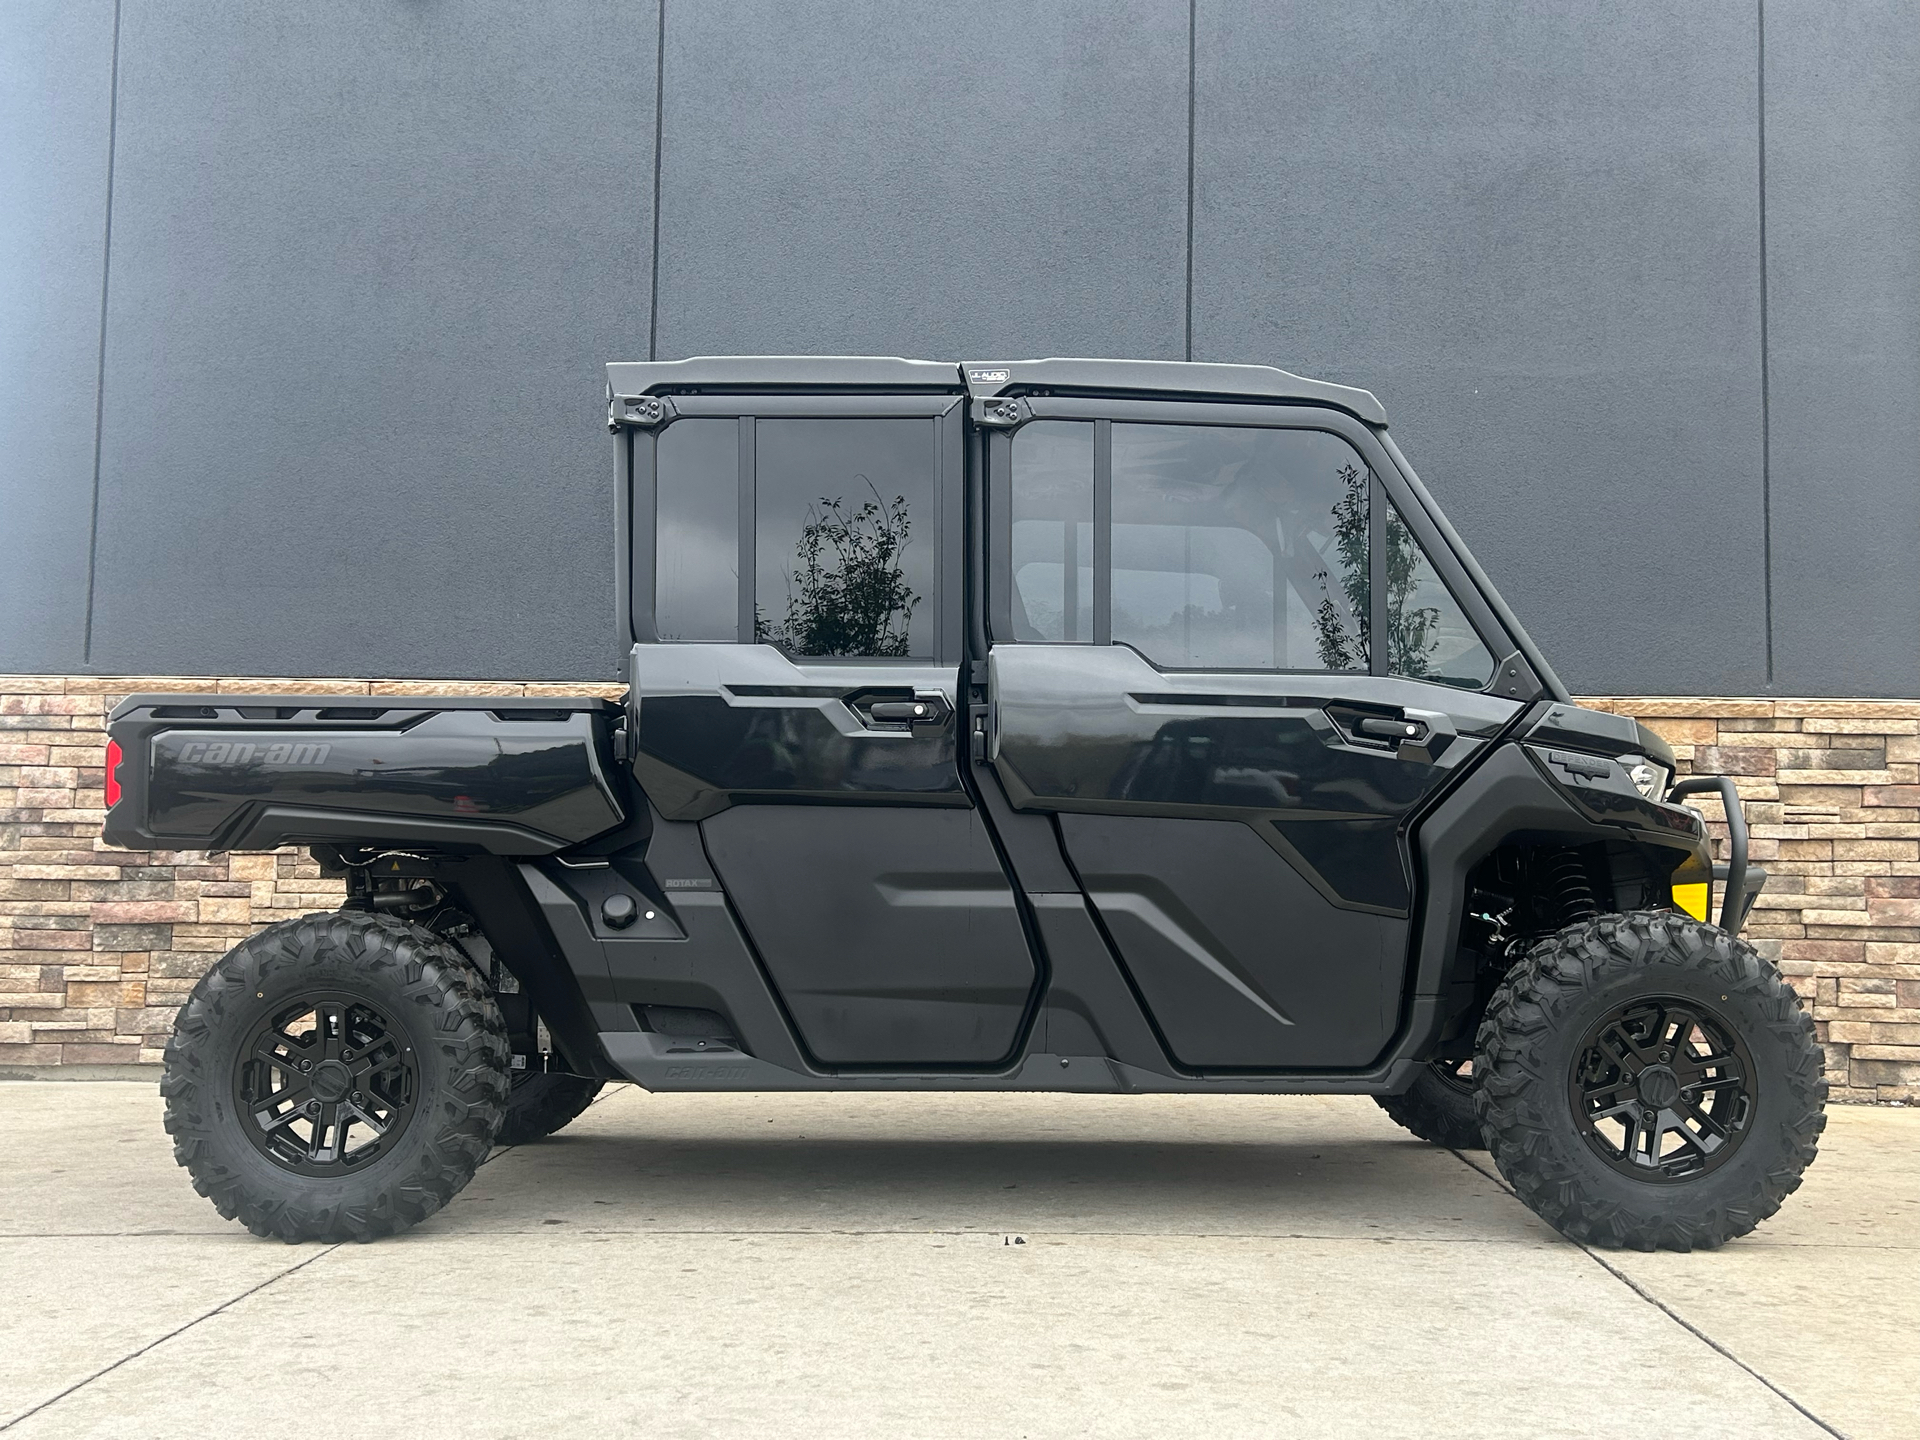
(1379, 728)
(927, 708)
(1417, 736)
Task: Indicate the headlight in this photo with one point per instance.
(1648, 778)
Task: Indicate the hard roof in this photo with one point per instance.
(1183, 377)
(988, 377)
(737, 372)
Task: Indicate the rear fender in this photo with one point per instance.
(539, 934)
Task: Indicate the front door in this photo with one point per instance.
(798, 605)
(1224, 661)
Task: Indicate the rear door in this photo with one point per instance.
(1223, 657)
(797, 604)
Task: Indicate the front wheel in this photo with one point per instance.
(1648, 1081)
(335, 1077)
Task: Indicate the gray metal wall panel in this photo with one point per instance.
(368, 263)
(1531, 229)
(56, 60)
(1843, 284)
(1003, 179)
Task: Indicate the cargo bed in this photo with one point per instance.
(460, 774)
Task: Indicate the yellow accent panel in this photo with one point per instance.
(1692, 899)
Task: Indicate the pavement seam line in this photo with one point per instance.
(1701, 1335)
(177, 1330)
(1665, 1309)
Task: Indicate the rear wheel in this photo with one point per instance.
(1438, 1106)
(335, 1077)
(541, 1103)
(1649, 1081)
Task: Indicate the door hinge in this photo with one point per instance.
(1001, 411)
(640, 412)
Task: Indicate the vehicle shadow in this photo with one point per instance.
(1358, 1186)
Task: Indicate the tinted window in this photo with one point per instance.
(846, 538)
(1053, 532)
(1428, 635)
(1240, 548)
(696, 588)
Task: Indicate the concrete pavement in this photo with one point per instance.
(936, 1265)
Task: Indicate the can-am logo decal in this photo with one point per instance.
(706, 1072)
(236, 752)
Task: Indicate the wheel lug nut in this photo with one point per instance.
(358, 1097)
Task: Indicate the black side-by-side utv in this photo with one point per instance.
(1072, 725)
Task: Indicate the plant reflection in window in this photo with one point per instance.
(1411, 629)
(848, 594)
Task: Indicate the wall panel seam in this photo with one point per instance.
(659, 142)
(1766, 357)
(1193, 20)
(100, 367)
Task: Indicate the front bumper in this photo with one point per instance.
(1738, 882)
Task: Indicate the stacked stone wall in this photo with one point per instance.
(1832, 795)
(98, 946)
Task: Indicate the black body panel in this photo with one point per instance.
(1603, 791)
(1091, 1008)
(900, 946)
(1096, 729)
(701, 753)
(1509, 797)
(1598, 731)
(506, 776)
(847, 845)
(693, 953)
(559, 974)
(1242, 964)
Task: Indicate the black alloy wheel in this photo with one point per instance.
(336, 1076)
(326, 1083)
(1662, 1089)
(1647, 1081)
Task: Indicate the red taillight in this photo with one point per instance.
(113, 773)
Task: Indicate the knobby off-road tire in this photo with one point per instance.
(1611, 1029)
(541, 1103)
(335, 1077)
(1438, 1106)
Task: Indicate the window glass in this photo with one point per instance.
(1240, 549)
(1428, 635)
(696, 587)
(846, 540)
(1053, 532)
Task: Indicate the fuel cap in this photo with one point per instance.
(619, 911)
